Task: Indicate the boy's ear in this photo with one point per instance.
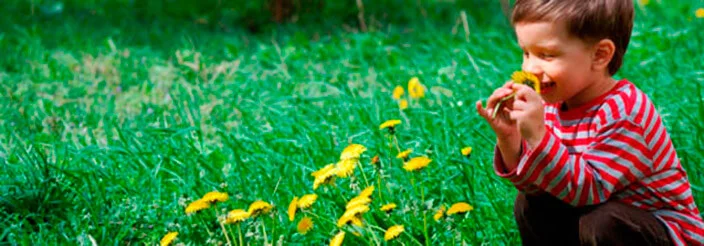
(603, 53)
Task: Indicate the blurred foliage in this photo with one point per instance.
(256, 14)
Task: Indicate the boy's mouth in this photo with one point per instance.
(547, 85)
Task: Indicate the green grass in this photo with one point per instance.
(107, 129)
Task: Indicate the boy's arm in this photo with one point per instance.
(505, 171)
(617, 157)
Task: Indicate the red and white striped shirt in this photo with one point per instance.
(612, 148)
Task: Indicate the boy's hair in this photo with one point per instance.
(589, 20)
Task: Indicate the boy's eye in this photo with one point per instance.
(545, 55)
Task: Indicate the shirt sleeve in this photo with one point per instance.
(617, 157)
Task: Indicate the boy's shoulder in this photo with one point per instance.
(626, 102)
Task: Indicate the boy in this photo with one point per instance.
(590, 154)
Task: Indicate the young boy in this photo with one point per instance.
(590, 155)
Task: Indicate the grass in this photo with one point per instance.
(109, 128)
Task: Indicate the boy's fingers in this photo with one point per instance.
(482, 112)
(519, 105)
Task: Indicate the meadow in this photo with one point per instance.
(111, 125)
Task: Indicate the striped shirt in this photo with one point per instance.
(614, 147)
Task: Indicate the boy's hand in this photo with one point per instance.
(504, 127)
(529, 114)
(508, 138)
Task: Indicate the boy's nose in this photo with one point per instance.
(529, 65)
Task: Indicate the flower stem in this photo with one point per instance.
(425, 223)
(205, 225)
(266, 238)
(239, 231)
(496, 108)
(225, 233)
(361, 169)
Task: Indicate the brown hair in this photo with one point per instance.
(589, 20)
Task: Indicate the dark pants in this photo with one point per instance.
(545, 220)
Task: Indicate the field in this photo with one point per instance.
(111, 125)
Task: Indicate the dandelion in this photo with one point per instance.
(337, 240)
(358, 201)
(292, 207)
(403, 104)
(467, 151)
(398, 92)
(417, 163)
(326, 175)
(388, 207)
(352, 215)
(307, 201)
(323, 170)
(459, 208)
(520, 77)
(236, 216)
(699, 13)
(215, 196)
(390, 124)
(393, 232)
(168, 238)
(415, 88)
(440, 213)
(305, 225)
(404, 154)
(353, 151)
(367, 192)
(346, 167)
(526, 78)
(197, 205)
(259, 207)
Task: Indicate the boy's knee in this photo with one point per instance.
(599, 226)
(614, 223)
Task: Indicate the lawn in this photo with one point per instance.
(111, 124)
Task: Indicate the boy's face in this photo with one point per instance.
(562, 62)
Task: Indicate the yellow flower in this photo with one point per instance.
(305, 225)
(197, 205)
(358, 201)
(404, 154)
(391, 124)
(417, 163)
(466, 151)
(398, 92)
(440, 213)
(337, 240)
(346, 167)
(307, 201)
(415, 88)
(699, 13)
(168, 238)
(292, 207)
(259, 207)
(388, 207)
(393, 232)
(352, 215)
(644, 2)
(323, 170)
(403, 104)
(324, 176)
(367, 192)
(236, 216)
(459, 208)
(214, 196)
(353, 151)
(526, 78)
